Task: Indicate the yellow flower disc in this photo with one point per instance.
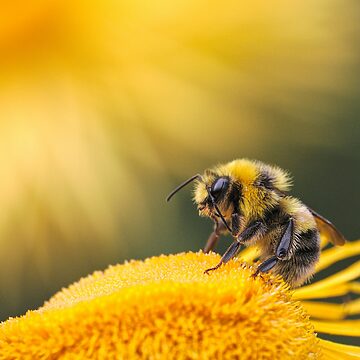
(166, 308)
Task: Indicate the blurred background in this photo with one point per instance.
(106, 105)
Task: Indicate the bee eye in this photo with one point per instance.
(218, 186)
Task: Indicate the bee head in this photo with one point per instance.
(209, 195)
(209, 192)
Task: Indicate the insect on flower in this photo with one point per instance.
(249, 200)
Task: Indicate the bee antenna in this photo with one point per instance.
(188, 181)
(219, 213)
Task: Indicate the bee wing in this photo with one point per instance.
(328, 229)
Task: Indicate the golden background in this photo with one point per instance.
(105, 106)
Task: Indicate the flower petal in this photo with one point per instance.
(353, 307)
(327, 311)
(333, 291)
(331, 282)
(249, 254)
(336, 351)
(324, 241)
(345, 327)
(334, 254)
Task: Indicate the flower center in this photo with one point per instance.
(166, 306)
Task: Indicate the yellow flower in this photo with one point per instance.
(166, 307)
(97, 95)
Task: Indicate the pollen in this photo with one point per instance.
(166, 307)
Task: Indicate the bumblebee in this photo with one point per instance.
(249, 200)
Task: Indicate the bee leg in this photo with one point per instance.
(219, 228)
(235, 224)
(281, 250)
(284, 243)
(245, 235)
(211, 242)
(229, 254)
(253, 229)
(267, 265)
